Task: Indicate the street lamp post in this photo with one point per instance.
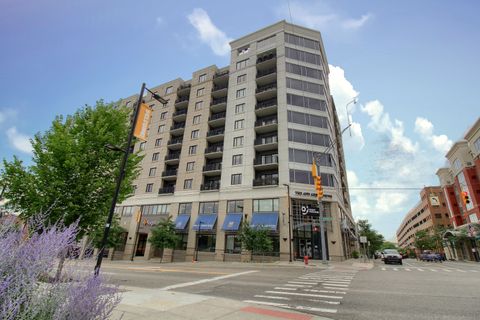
(289, 224)
(198, 238)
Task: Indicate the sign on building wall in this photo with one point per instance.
(434, 201)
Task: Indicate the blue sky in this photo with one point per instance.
(414, 65)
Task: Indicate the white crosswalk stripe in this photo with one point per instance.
(302, 282)
(286, 306)
(305, 294)
(271, 297)
(282, 288)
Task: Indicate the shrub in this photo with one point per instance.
(28, 287)
(355, 254)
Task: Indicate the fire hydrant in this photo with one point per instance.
(305, 260)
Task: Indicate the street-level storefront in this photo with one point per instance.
(181, 230)
(233, 245)
(206, 237)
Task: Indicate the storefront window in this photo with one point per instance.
(182, 241)
(206, 242)
(208, 207)
(265, 205)
(235, 206)
(233, 244)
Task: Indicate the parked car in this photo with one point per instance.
(430, 256)
(392, 256)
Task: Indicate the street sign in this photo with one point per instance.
(325, 219)
(363, 239)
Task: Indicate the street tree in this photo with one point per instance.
(255, 239)
(388, 245)
(424, 241)
(73, 174)
(164, 236)
(115, 237)
(375, 238)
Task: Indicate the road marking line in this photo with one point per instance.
(324, 301)
(407, 269)
(395, 269)
(420, 269)
(286, 306)
(282, 288)
(460, 270)
(384, 269)
(305, 294)
(336, 281)
(192, 283)
(446, 270)
(301, 282)
(297, 285)
(324, 291)
(157, 269)
(335, 284)
(433, 270)
(473, 270)
(271, 297)
(336, 288)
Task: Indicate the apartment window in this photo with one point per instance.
(241, 78)
(202, 77)
(158, 142)
(477, 144)
(306, 156)
(149, 187)
(306, 102)
(307, 119)
(198, 105)
(238, 141)
(128, 211)
(240, 108)
(187, 184)
(155, 209)
(265, 205)
(457, 164)
(192, 150)
(239, 124)
(303, 56)
(155, 156)
(200, 92)
(243, 50)
(241, 93)
(242, 64)
(304, 71)
(305, 86)
(163, 115)
(142, 146)
(161, 128)
(134, 188)
(190, 166)
(152, 172)
(169, 90)
(302, 42)
(194, 134)
(208, 207)
(196, 119)
(236, 179)
(185, 208)
(237, 159)
(235, 206)
(308, 137)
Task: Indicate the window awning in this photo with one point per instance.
(205, 222)
(232, 222)
(181, 221)
(268, 220)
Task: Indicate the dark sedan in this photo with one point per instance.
(392, 256)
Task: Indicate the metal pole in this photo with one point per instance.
(119, 182)
(135, 243)
(289, 224)
(322, 232)
(196, 242)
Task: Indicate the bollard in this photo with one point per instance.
(305, 260)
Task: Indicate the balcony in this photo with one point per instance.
(266, 143)
(169, 174)
(266, 61)
(172, 158)
(184, 89)
(177, 129)
(210, 185)
(180, 115)
(212, 169)
(267, 181)
(221, 77)
(215, 135)
(166, 190)
(266, 162)
(217, 119)
(220, 90)
(266, 76)
(218, 105)
(266, 125)
(175, 144)
(181, 102)
(266, 108)
(215, 151)
(266, 92)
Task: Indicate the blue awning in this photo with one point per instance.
(181, 221)
(232, 221)
(268, 220)
(205, 222)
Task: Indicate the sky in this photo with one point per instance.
(413, 65)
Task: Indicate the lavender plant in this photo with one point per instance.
(28, 286)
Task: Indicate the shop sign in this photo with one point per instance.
(307, 210)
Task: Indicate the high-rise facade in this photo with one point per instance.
(235, 145)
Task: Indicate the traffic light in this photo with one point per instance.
(318, 187)
(465, 198)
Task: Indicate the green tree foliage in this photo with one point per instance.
(388, 245)
(375, 238)
(256, 240)
(73, 174)
(114, 236)
(424, 241)
(164, 236)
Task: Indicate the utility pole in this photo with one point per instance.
(289, 224)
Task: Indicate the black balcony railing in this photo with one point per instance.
(262, 73)
(179, 125)
(270, 159)
(266, 104)
(169, 173)
(180, 112)
(265, 122)
(218, 88)
(184, 86)
(182, 99)
(212, 167)
(211, 185)
(266, 140)
(269, 181)
(271, 86)
(215, 132)
(172, 156)
(211, 149)
(175, 141)
(220, 74)
(216, 116)
(218, 101)
(266, 57)
(170, 189)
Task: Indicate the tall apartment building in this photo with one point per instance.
(236, 144)
(431, 211)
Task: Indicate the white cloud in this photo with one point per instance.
(209, 33)
(357, 23)
(440, 143)
(19, 141)
(6, 114)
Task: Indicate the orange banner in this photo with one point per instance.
(314, 169)
(143, 121)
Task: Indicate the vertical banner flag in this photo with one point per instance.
(143, 120)
(314, 169)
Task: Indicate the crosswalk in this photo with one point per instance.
(319, 293)
(433, 268)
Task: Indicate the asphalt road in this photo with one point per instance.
(416, 290)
